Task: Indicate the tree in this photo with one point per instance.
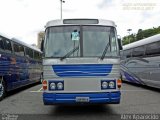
(141, 34)
(128, 39)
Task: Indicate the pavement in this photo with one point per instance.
(26, 103)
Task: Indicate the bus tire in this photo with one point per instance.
(2, 89)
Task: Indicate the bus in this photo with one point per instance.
(81, 62)
(20, 64)
(141, 62)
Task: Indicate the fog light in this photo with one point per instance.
(111, 84)
(104, 85)
(60, 86)
(53, 86)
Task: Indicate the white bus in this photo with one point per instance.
(81, 62)
(141, 62)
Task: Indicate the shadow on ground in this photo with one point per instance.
(16, 91)
(77, 112)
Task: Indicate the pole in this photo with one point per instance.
(61, 9)
(129, 30)
(61, 1)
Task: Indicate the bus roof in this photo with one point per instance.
(60, 22)
(20, 42)
(145, 41)
(25, 44)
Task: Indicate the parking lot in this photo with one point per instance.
(28, 102)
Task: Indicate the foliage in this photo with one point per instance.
(141, 34)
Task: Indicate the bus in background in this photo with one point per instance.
(141, 62)
(20, 64)
(81, 62)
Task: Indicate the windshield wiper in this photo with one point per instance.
(105, 50)
(69, 53)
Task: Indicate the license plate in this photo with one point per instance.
(82, 99)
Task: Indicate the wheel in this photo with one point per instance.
(2, 89)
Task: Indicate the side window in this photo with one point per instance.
(127, 53)
(21, 50)
(138, 51)
(29, 52)
(1, 43)
(26, 52)
(153, 49)
(18, 49)
(36, 55)
(113, 42)
(40, 56)
(7, 45)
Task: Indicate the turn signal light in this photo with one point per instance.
(119, 83)
(44, 84)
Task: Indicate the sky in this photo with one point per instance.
(23, 19)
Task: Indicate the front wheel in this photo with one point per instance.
(2, 89)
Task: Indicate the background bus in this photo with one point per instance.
(81, 62)
(20, 64)
(141, 61)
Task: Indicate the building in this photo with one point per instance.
(40, 38)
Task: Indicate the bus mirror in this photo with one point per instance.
(42, 46)
(120, 44)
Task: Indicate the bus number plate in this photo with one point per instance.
(82, 99)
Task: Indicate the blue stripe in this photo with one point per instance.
(131, 78)
(82, 70)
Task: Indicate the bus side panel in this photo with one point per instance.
(18, 71)
(5, 70)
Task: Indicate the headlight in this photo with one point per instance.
(59, 85)
(53, 86)
(104, 85)
(111, 84)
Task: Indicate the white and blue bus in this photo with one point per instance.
(81, 62)
(20, 64)
(141, 62)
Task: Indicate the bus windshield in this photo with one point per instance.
(80, 41)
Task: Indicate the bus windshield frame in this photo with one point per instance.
(59, 41)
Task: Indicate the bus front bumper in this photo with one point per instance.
(71, 98)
